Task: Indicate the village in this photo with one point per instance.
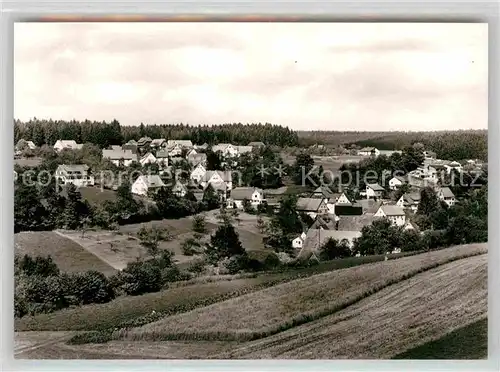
(334, 212)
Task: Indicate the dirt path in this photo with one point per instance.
(26, 342)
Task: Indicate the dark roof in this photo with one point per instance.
(308, 204)
(392, 210)
(368, 205)
(375, 187)
(325, 191)
(355, 223)
(240, 193)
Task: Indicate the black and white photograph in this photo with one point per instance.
(250, 190)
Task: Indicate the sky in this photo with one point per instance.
(307, 76)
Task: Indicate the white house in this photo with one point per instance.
(446, 195)
(343, 200)
(146, 183)
(67, 144)
(179, 189)
(198, 173)
(77, 174)
(226, 150)
(394, 213)
(119, 157)
(148, 158)
(409, 201)
(191, 152)
(374, 190)
(175, 147)
(218, 177)
(253, 194)
(298, 242)
(196, 159)
(23, 144)
(369, 151)
(396, 182)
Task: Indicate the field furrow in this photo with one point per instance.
(284, 306)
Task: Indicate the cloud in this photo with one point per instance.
(307, 76)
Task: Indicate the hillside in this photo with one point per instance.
(416, 311)
(287, 305)
(67, 254)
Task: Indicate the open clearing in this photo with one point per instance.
(400, 317)
(68, 255)
(284, 306)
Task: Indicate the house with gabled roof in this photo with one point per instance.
(298, 242)
(76, 174)
(67, 144)
(254, 195)
(244, 150)
(119, 157)
(355, 223)
(158, 143)
(218, 177)
(198, 173)
(374, 190)
(144, 141)
(148, 158)
(394, 213)
(368, 206)
(195, 159)
(23, 144)
(369, 151)
(325, 222)
(147, 183)
(409, 201)
(445, 194)
(323, 192)
(179, 189)
(225, 149)
(396, 182)
(312, 206)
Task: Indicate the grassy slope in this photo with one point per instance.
(209, 289)
(469, 342)
(399, 317)
(68, 255)
(287, 305)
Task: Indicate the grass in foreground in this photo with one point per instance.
(288, 305)
(469, 342)
(400, 317)
(202, 291)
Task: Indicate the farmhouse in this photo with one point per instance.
(325, 223)
(175, 147)
(446, 195)
(119, 157)
(257, 144)
(409, 201)
(343, 199)
(312, 206)
(369, 151)
(76, 174)
(253, 194)
(368, 206)
(148, 158)
(67, 144)
(396, 182)
(374, 191)
(130, 145)
(394, 213)
(146, 184)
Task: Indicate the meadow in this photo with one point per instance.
(288, 305)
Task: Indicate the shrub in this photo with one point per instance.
(271, 261)
(89, 287)
(141, 277)
(197, 267)
(43, 266)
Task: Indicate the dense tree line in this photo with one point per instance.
(104, 134)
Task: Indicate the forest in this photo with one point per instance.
(104, 133)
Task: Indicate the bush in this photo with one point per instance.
(93, 337)
(197, 267)
(43, 266)
(90, 287)
(172, 274)
(237, 263)
(271, 261)
(141, 277)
